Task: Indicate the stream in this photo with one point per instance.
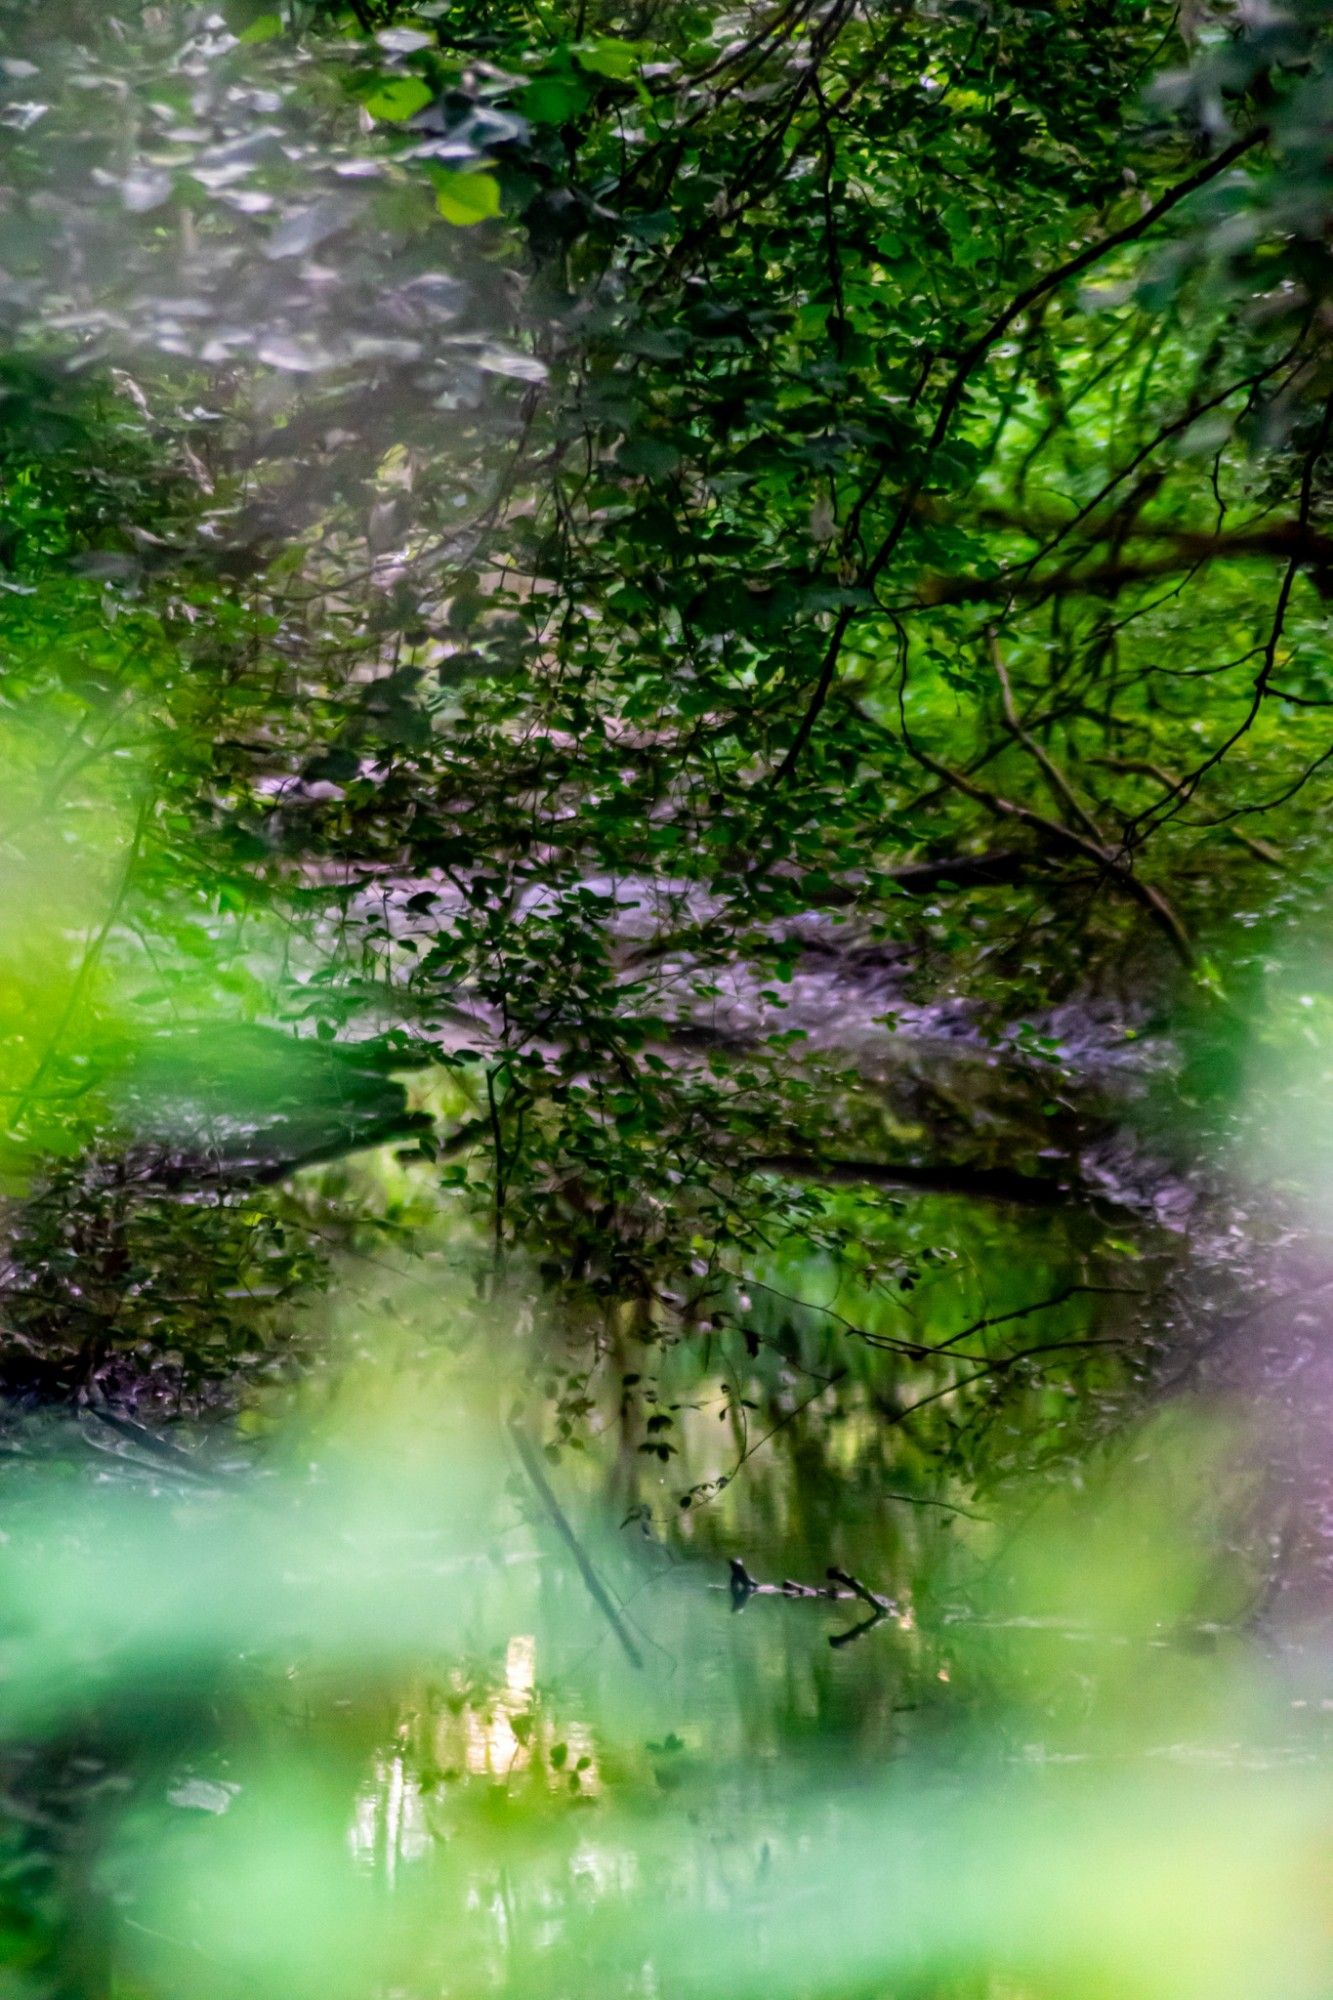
(951, 1622)
(363, 1694)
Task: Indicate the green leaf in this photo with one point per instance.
(969, 247)
(263, 28)
(654, 228)
(649, 456)
(618, 60)
(464, 198)
(249, 20)
(656, 343)
(553, 100)
(397, 97)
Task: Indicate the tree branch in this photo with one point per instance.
(970, 360)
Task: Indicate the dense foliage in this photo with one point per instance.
(522, 523)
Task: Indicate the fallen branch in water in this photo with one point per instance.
(168, 1455)
(842, 1587)
(854, 1585)
(596, 1588)
(880, 1608)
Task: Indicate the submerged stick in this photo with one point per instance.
(841, 1585)
(597, 1590)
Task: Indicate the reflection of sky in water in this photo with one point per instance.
(461, 1734)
